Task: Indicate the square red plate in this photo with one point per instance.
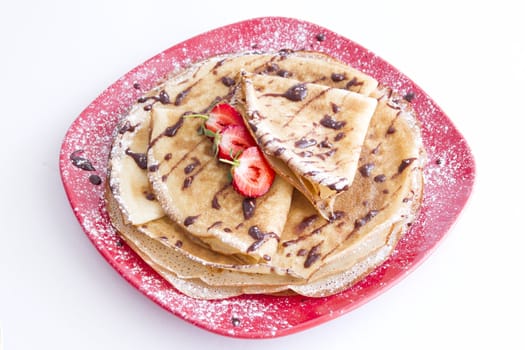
(449, 178)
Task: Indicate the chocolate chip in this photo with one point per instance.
(248, 207)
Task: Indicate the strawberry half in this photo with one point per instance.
(221, 116)
(233, 140)
(252, 176)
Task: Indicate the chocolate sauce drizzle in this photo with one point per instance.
(181, 95)
(236, 322)
(404, 164)
(190, 220)
(325, 144)
(81, 162)
(380, 178)
(248, 207)
(170, 131)
(366, 169)
(176, 165)
(284, 73)
(330, 123)
(305, 143)
(305, 223)
(140, 159)
(260, 238)
(336, 77)
(149, 196)
(337, 215)
(95, 179)
(353, 82)
(190, 167)
(163, 98)
(339, 136)
(279, 151)
(313, 255)
(215, 201)
(84, 164)
(326, 154)
(296, 93)
(302, 252)
(409, 96)
(215, 224)
(365, 219)
(127, 127)
(187, 182)
(227, 81)
(336, 186)
(189, 179)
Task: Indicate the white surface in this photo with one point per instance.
(57, 292)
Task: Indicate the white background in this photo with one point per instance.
(57, 292)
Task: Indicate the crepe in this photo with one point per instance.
(312, 134)
(203, 200)
(387, 189)
(171, 200)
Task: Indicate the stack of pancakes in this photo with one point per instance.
(348, 156)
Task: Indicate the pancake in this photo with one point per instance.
(312, 134)
(128, 156)
(386, 189)
(203, 200)
(171, 201)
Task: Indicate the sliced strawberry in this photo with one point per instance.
(233, 140)
(221, 116)
(252, 176)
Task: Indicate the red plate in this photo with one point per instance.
(449, 180)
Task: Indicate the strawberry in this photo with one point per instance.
(221, 116)
(233, 140)
(252, 176)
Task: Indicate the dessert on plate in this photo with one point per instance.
(266, 173)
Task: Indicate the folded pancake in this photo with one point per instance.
(312, 134)
(385, 192)
(135, 197)
(127, 169)
(195, 191)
